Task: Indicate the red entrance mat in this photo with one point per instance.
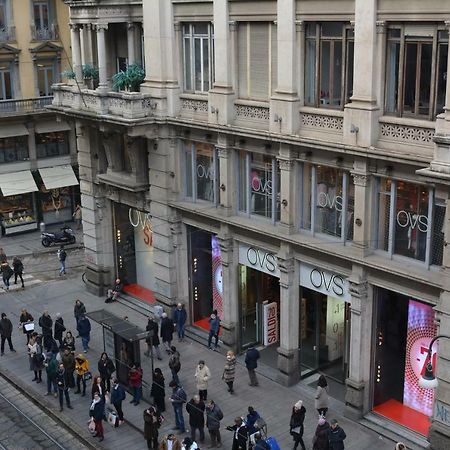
(203, 323)
(408, 417)
(141, 293)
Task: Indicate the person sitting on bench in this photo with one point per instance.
(115, 291)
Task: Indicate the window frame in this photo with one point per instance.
(60, 145)
(8, 70)
(19, 144)
(39, 22)
(45, 66)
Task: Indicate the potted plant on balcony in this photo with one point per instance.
(90, 75)
(68, 74)
(130, 79)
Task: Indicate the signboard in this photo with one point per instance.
(323, 281)
(259, 259)
(108, 342)
(217, 276)
(270, 321)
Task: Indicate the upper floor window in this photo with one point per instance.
(327, 203)
(202, 172)
(198, 56)
(45, 78)
(14, 149)
(52, 144)
(329, 64)
(416, 71)
(6, 89)
(3, 15)
(44, 26)
(257, 60)
(409, 220)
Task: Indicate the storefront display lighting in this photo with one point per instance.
(428, 380)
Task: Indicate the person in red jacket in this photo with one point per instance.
(135, 382)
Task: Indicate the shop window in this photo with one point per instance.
(328, 64)
(409, 221)
(327, 204)
(45, 78)
(17, 212)
(6, 88)
(52, 144)
(416, 71)
(202, 172)
(56, 204)
(257, 60)
(198, 57)
(14, 149)
(259, 185)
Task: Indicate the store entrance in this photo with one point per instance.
(324, 332)
(255, 288)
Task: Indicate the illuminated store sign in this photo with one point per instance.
(259, 259)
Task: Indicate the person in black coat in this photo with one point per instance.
(251, 358)
(167, 328)
(63, 383)
(6, 328)
(97, 411)
(296, 424)
(336, 436)
(18, 270)
(46, 323)
(106, 368)
(158, 390)
(320, 439)
(59, 329)
(196, 410)
(240, 434)
(153, 338)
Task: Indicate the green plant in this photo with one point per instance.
(90, 71)
(130, 79)
(69, 74)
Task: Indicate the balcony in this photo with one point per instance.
(24, 106)
(50, 33)
(7, 34)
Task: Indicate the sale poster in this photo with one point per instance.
(217, 276)
(421, 330)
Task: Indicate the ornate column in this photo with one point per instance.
(101, 54)
(76, 51)
(287, 187)
(86, 44)
(131, 43)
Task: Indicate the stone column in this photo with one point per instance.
(357, 393)
(76, 52)
(131, 43)
(102, 60)
(287, 188)
(288, 356)
(227, 176)
(284, 104)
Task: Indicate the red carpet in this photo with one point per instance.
(141, 293)
(203, 323)
(408, 417)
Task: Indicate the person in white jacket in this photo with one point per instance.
(202, 376)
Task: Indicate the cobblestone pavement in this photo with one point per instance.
(24, 426)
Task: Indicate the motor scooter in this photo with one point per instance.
(65, 236)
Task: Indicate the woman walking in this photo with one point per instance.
(320, 438)
(157, 391)
(296, 424)
(98, 387)
(322, 402)
(229, 371)
(97, 411)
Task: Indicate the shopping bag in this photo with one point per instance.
(91, 426)
(113, 420)
(273, 444)
(87, 376)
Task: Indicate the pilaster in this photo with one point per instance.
(287, 188)
(103, 84)
(131, 44)
(227, 176)
(76, 52)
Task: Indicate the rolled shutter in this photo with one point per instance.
(274, 58)
(259, 61)
(242, 60)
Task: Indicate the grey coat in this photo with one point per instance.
(213, 418)
(321, 399)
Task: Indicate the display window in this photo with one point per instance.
(55, 204)
(14, 149)
(52, 144)
(409, 220)
(327, 203)
(17, 213)
(405, 328)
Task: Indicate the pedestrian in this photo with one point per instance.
(213, 417)
(82, 368)
(52, 346)
(152, 422)
(167, 331)
(195, 408)
(84, 331)
(69, 342)
(46, 324)
(179, 319)
(97, 411)
(177, 399)
(115, 291)
(135, 383)
(214, 329)
(77, 216)
(251, 358)
(250, 420)
(106, 368)
(320, 438)
(59, 329)
(260, 443)
(98, 387)
(170, 442)
(26, 323)
(79, 310)
(118, 395)
(174, 364)
(189, 444)
(35, 350)
(321, 402)
(68, 361)
(240, 434)
(7, 273)
(51, 367)
(202, 376)
(63, 384)
(3, 257)
(336, 436)
(158, 391)
(296, 424)
(62, 256)
(229, 371)
(152, 338)
(18, 270)
(6, 328)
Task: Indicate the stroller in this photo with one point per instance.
(260, 427)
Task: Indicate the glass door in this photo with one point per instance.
(309, 333)
(250, 317)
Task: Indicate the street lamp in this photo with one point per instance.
(428, 380)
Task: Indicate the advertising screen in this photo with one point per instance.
(217, 276)
(421, 329)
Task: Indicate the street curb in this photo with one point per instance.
(68, 425)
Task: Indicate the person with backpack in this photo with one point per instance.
(118, 395)
(152, 423)
(213, 417)
(18, 270)
(62, 255)
(336, 436)
(296, 424)
(178, 398)
(175, 364)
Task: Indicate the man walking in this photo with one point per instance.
(251, 359)
(84, 331)
(152, 338)
(63, 387)
(6, 329)
(214, 328)
(336, 436)
(117, 397)
(166, 331)
(18, 270)
(196, 410)
(213, 417)
(177, 399)
(78, 310)
(174, 364)
(62, 255)
(179, 318)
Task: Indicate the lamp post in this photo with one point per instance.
(428, 380)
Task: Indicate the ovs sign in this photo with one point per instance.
(142, 219)
(259, 259)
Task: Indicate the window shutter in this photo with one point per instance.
(274, 59)
(242, 60)
(259, 61)
(51, 13)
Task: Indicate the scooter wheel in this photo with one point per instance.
(72, 240)
(46, 242)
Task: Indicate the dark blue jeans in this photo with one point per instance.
(180, 331)
(51, 381)
(179, 419)
(137, 394)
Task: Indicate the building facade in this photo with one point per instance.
(37, 151)
(287, 164)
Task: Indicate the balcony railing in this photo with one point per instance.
(23, 106)
(50, 33)
(7, 34)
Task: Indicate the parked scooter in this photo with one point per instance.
(65, 236)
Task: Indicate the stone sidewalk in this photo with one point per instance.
(274, 402)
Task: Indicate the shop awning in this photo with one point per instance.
(51, 126)
(16, 183)
(16, 129)
(59, 176)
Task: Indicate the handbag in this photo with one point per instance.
(113, 420)
(87, 376)
(91, 426)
